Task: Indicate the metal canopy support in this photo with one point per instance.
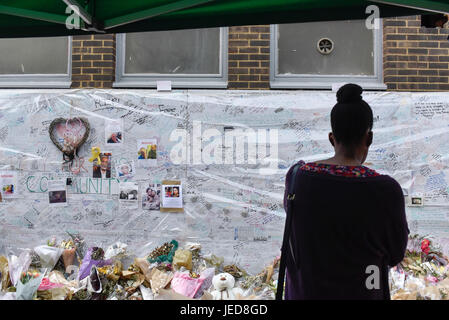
(423, 5)
(153, 12)
(31, 14)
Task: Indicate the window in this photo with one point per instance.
(189, 58)
(35, 62)
(319, 54)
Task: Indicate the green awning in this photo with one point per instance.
(31, 18)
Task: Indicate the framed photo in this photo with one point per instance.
(128, 195)
(151, 197)
(171, 196)
(147, 152)
(416, 201)
(57, 193)
(8, 184)
(125, 170)
(114, 132)
(102, 169)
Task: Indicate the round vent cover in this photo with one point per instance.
(325, 46)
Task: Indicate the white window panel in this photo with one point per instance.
(317, 55)
(36, 62)
(194, 58)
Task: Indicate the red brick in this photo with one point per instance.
(259, 71)
(91, 70)
(238, 57)
(103, 77)
(238, 70)
(259, 57)
(239, 29)
(238, 43)
(438, 79)
(103, 64)
(81, 77)
(249, 77)
(262, 29)
(83, 37)
(259, 43)
(108, 57)
(91, 57)
(103, 50)
(78, 64)
(253, 64)
(248, 36)
(391, 23)
(92, 43)
(108, 43)
(438, 65)
(248, 50)
(259, 85)
(238, 85)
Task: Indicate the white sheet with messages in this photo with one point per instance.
(234, 208)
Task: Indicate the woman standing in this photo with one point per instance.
(348, 222)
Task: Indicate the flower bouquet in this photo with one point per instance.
(423, 257)
(422, 275)
(164, 252)
(28, 284)
(93, 257)
(68, 255)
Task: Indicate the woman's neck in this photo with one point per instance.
(341, 160)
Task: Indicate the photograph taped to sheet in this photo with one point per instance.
(147, 152)
(102, 169)
(128, 196)
(151, 196)
(8, 184)
(114, 132)
(416, 201)
(57, 193)
(125, 170)
(171, 196)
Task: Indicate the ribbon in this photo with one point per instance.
(95, 154)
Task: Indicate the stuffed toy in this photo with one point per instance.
(224, 287)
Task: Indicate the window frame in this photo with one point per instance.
(40, 80)
(149, 80)
(311, 81)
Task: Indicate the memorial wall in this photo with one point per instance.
(143, 167)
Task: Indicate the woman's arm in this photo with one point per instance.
(397, 228)
(287, 182)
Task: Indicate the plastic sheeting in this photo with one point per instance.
(230, 149)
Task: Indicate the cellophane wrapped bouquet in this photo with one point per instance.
(423, 274)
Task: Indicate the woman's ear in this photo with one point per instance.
(369, 139)
(331, 139)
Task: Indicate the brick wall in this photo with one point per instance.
(415, 58)
(249, 57)
(93, 61)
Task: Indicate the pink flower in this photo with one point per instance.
(46, 285)
(425, 246)
(432, 279)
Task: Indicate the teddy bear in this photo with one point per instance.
(224, 287)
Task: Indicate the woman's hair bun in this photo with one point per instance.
(349, 93)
